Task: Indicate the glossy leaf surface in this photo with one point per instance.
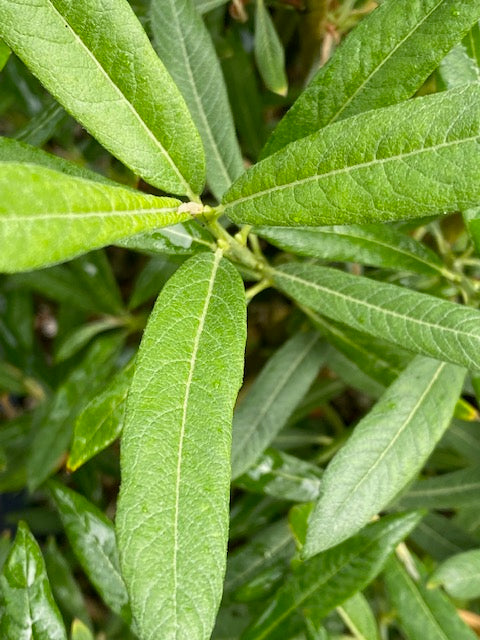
(389, 164)
(30, 610)
(176, 441)
(92, 538)
(415, 321)
(388, 448)
(47, 217)
(104, 71)
(186, 48)
(383, 61)
(276, 392)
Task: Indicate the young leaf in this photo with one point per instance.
(30, 610)
(92, 538)
(359, 618)
(186, 49)
(276, 392)
(101, 422)
(176, 442)
(423, 613)
(447, 491)
(385, 59)
(324, 582)
(4, 54)
(415, 321)
(269, 53)
(97, 61)
(459, 575)
(179, 239)
(48, 217)
(375, 245)
(399, 162)
(386, 451)
(80, 631)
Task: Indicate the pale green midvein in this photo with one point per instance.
(196, 343)
(335, 172)
(200, 104)
(375, 70)
(129, 104)
(91, 214)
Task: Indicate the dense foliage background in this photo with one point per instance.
(69, 334)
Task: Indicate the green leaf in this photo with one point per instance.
(270, 401)
(186, 49)
(271, 547)
(30, 610)
(4, 54)
(440, 537)
(53, 430)
(459, 575)
(80, 631)
(42, 126)
(390, 164)
(101, 422)
(179, 239)
(326, 581)
(269, 53)
(92, 538)
(359, 618)
(415, 321)
(458, 68)
(388, 448)
(39, 228)
(386, 58)
(73, 342)
(282, 476)
(423, 613)
(104, 71)
(64, 586)
(447, 491)
(203, 6)
(176, 442)
(376, 245)
(464, 437)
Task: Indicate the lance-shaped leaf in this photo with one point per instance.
(447, 491)
(179, 239)
(386, 451)
(29, 608)
(324, 582)
(276, 392)
(423, 613)
(186, 49)
(399, 162)
(81, 631)
(416, 321)
(440, 537)
(47, 217)
(375, 245)
(269, 53)
(101, 422)
(359, 617)
(92, 538)
(176, 442)
(203, 6)
(386, 58)
(97, 61)
(459, 575)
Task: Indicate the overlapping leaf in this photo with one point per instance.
(97, 61)
(399, 162)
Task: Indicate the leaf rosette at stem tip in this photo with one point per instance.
(173, 509)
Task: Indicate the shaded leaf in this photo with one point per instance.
(446, 491)
(269, 52)
(459, 575)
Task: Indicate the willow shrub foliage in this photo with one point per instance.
(345, 479)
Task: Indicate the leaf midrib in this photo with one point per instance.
(346, 170)
(382, 63)
(390, 312)
(85, 214)
(193, 360)
(131, 107)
